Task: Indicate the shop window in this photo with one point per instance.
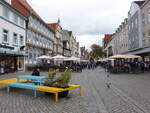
(20, 64)
(5, 36)
(15, 39)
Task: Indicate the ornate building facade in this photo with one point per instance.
(40, 37)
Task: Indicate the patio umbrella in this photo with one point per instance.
(132, 56)
(72, 59)
(117, 56)
(58, 57)
(44, 57)
(84, 60)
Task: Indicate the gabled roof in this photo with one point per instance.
(27, 5)
(146, 2)
(139, 3)
(29, 9)
(53, 26)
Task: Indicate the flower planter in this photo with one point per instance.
(63, 94)
(60, 81)
(60, 94)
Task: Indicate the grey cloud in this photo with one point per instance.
(84, 16)
(88, 19)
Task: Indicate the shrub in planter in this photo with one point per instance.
(50, 79)
(60, 82)
(63, 82)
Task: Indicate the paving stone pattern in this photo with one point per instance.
(97, 98)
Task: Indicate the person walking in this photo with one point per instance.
(142, 66)
(108, 83)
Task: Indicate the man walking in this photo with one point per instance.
(142, 66)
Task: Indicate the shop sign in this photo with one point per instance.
(6, 47)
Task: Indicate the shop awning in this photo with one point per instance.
(13, 52)
(124, 56)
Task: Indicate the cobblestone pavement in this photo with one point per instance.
(129, 93)
(135, 86)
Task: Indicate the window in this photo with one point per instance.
(6, 12)
(21, 40)
(149, 33)
(129, 27)
(15, 19)
(136, 22)
(21, 22)
(5, 35)
(132, 25)
(143, 18)
(144, 43)
(143, 34)
(15, 39)
(148, 15)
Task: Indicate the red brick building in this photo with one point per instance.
(106, 40)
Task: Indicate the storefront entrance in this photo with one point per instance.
(8, 64)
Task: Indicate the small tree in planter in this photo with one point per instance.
(64, 79)
(60, 82)
(51, 79)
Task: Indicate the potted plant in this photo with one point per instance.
(63, 82)
(59, 81)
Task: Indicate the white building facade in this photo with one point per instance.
(40, 37)
(39, 40)
(12, 39)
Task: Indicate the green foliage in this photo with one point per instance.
(50, 80)
(64, 80)
(97, 51)
(61, 81)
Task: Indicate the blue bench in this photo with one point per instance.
(24, 86)
(34, 79)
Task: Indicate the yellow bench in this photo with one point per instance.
(44, 88)
(11, 80)
(57, 90)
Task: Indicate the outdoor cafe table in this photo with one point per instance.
(35, 79)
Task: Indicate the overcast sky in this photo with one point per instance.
(88, 19)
